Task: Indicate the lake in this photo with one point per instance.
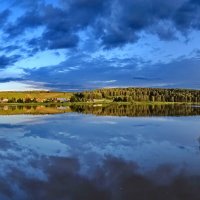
(114, 152)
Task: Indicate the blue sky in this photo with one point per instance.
(73, 45)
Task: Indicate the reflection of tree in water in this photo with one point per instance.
(115, 179)
(198, 139)
(105, 110)
(137, 110)
(32, 109)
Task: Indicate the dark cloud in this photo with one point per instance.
(30, 19)
(4, 80)
(143, 78)
(162, 18)
(7, 61)
(25, 3)
(187, 16)
(115, 23)
(60, 25)
(10, 48)
(4, 16)
(54, 39)
(132, 17)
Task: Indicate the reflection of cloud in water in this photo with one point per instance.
(104, 122)
(147, 153)
(114, 179)
(13, 133)
(70, 151)
(22, 119)
(45, 146)
(71, 134)
(68, 135)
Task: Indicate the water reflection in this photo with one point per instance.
(76, 156)
(114, 179)
(33, 109)
(106, 110)
(138, 110)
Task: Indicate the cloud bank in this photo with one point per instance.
(96, 41)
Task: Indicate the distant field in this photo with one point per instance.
(35, 94)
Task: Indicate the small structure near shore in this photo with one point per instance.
(4, 100)
(62, 100)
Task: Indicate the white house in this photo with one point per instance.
(61, 99)
(4, 101)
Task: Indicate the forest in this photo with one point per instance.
(138, 95)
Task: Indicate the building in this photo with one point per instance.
(4, 101)
(61, 100)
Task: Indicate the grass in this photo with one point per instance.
(35, 94)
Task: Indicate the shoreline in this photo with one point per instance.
(99, 102)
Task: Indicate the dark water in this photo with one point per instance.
(76, 156)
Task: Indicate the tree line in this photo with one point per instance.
(138, 94)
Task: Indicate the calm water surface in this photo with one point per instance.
(77, 156)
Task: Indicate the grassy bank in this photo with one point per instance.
(35, 94)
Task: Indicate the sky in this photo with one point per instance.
(73, 45)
